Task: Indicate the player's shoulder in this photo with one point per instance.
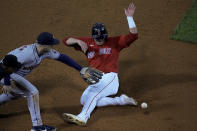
(116, 38)
(112, 39)
(24, 48)
(52, 54)
(23, 52)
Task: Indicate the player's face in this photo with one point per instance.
(45, 48)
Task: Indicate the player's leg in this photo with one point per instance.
(109, 101)
(34, 108)
(85, 95)
(107, 86)
(32, 94)
(6, 98)
(121, 100)
(32, 98)
(91, 89)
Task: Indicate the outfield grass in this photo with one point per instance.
(186, 30)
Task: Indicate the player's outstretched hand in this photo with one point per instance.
(91, 75)
(130, 10)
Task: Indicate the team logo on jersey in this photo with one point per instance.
(91, 45)
(91, 54)
(106, 51)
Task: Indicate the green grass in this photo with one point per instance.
(186, 30)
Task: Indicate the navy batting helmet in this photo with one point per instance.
(11, 61)
(99, 31)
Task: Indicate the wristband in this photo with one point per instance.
(131, 22)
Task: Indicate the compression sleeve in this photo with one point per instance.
(7, 80)
(70, 62)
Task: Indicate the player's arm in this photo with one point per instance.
(126, 40)
(91, 76)
(129, 12)
(19, 79)
(7, 80)
(76, 42)
(7, 84)
(68, 61)
(53, 54)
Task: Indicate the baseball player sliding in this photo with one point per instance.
(30, 56)
(102, 53)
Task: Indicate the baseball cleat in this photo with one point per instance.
(73, 119)
(129, 100)
(43, 128)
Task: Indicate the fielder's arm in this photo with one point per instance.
(129, 12)
(90, 75)
(6, 85)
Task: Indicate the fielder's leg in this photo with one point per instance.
(32, 94)
(6, 98)
(34, 108)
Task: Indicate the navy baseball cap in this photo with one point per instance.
(46, 38)
(11, 61)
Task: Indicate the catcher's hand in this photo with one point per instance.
(6, 89)
(91, 75)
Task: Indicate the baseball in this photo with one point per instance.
(144, 105)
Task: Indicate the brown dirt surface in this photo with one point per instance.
(155, 69)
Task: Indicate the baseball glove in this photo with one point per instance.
(91, 75)
(6, 89)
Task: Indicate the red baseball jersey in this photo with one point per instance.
(105, 57)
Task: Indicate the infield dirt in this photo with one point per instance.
(154, 69)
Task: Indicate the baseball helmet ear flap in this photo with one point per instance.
(99, 31)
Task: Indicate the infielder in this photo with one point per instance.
(30, 56)
(102, 53)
